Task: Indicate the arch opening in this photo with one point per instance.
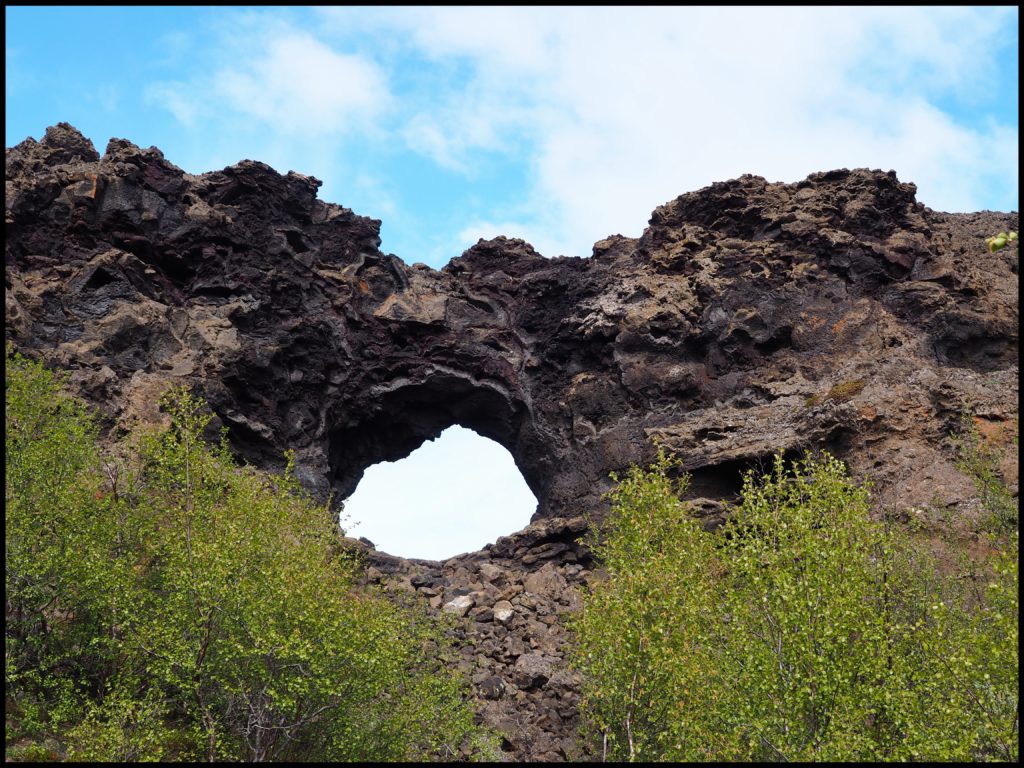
(408, 413)
(452, 495)
(411, 412)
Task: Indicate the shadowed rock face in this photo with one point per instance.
(748, 318)
(720, 332)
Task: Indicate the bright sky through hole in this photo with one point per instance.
(452, 495)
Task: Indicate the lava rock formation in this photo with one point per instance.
(749, 318)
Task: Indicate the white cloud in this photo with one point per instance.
(939, 48)
(300, 87)
(174, 97)
(424, 135)
(547, 234)
(510, 39)
(613, 111)
(377, 195)
(627, 108)
(282, 78)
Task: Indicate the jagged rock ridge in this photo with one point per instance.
(749, 317)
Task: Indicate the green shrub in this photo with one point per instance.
(803, 630)
(57, 582)
(980, 460)
(644, 630)
(997, 242)
(169, 605)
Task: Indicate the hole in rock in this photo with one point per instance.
(451, 495)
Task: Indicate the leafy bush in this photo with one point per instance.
(169, 605)
(643, 632)
(802, 630)
(980, 460)
(56, 580)
(1000, 241)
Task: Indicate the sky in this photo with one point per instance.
(558, 125)
(452, 495)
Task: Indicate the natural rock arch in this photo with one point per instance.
(408, 413)
(735, 326)
(748, 318)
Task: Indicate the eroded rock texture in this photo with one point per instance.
(748, 318)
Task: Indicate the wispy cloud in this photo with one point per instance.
(300, 87)
(609, 112)
(107, 95)
(176, 98)
(17, 77)
(282, 78)
(626, 108)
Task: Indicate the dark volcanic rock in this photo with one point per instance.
(749, 318)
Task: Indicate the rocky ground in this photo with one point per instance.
(750, 317)
(508, 604)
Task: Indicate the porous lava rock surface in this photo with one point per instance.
(748, 318)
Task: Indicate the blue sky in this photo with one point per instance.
(560, 126)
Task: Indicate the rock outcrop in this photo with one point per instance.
(750, 317)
